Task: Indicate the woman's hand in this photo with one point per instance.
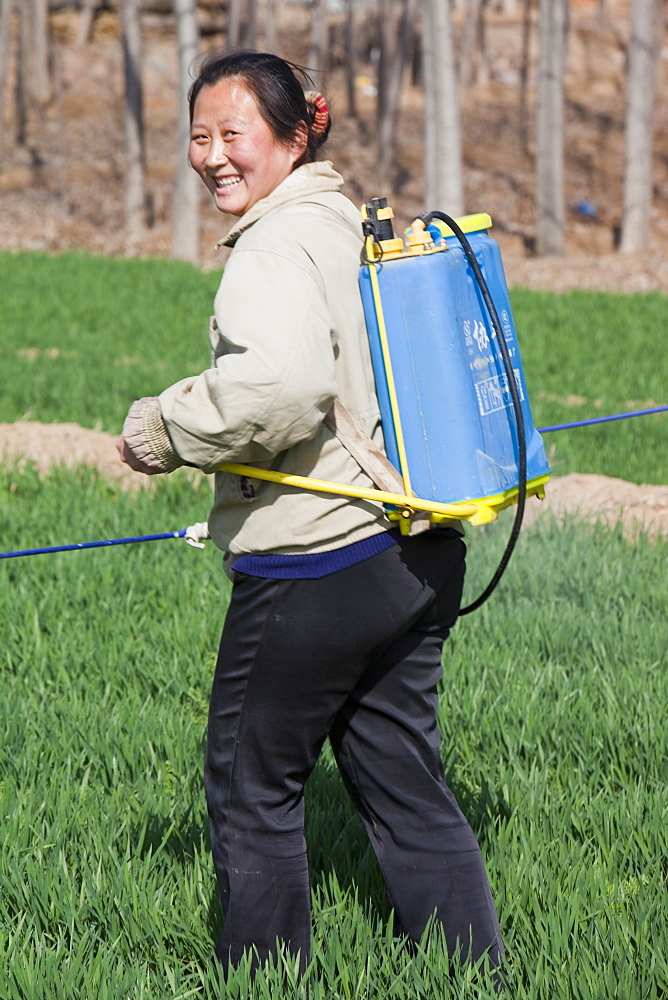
(129, 458)
(133, 447)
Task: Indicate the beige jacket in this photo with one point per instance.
(288, 337)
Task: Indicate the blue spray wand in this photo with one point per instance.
(194, 538)
(93, 545)
(602, 420)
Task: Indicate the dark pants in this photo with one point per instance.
(355, 656)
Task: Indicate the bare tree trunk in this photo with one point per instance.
(443, 174)
(644, 46)
(550, 128)
(387, 124)
(234, 12)
(523, 115)
(428, 61)
(63, 150)
(6, 22)
(318, 55)
(42, 88)
(22, 73)
(386, 34)
(270, 26)
(351, 70)
(471, 32)
(185, 230)
(250, 35)
(133, 120)
(482, 68)
(89, 9)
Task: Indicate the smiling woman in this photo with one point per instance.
(234, 150)
(336, 623)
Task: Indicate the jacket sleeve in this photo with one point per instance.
(274, 376)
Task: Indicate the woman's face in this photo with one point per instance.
(233, 149)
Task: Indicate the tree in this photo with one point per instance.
(133, 115)
(317, 59)
(234, 12)
(89, 9)
(33, 85)
(473, 28)
(394, 52)
(41, 83)
(550, 128)
(270, 26)
(350, 58)
(185, 230)
(524, 76)
(250, 36)
(6, 19)
(644, 47)
(242, 26)
(444, 188)
(23, 73)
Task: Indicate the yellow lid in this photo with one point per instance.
(467, 223)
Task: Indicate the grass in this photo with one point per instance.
(553, 707)
(83, 336)
(553, 712)
(591, 354)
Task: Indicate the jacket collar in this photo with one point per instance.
(310, 178)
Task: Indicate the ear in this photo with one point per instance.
(300, 141)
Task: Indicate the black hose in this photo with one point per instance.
(515, 396)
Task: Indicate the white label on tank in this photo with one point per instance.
(507, 328)
(494, 393)
(481, 336)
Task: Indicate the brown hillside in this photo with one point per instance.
(63, 188)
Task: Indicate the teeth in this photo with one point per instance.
(227, 182)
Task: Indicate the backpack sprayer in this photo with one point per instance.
(453, 400)
(449, 377)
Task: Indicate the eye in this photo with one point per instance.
(199, 137)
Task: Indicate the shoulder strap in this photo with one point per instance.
(361, 447)
(381, 471)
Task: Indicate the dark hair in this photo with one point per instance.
(276, 86)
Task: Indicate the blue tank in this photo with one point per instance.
(455, 411)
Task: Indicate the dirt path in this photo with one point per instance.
(594, 498)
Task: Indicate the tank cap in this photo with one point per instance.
(467, 223)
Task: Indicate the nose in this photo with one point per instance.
(215, 154)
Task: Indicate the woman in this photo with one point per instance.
(336, 622)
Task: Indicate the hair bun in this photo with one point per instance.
(321, 121)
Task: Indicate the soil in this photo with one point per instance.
(61, 188)
(594, 498)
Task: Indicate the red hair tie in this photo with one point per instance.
(321, 112)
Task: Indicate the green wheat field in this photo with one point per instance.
(554, 702)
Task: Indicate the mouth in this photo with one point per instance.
(226, 183)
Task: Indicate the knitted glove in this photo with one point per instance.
(143, 424)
